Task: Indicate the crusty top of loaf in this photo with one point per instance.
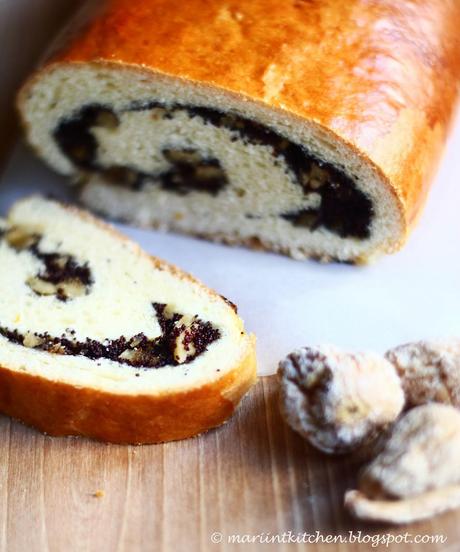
(383, 76)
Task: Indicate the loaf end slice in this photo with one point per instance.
(308, 128)
(99, 339)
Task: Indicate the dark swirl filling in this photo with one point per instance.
(137, 351)
(344, 209)
(182, 338)
(62, 275)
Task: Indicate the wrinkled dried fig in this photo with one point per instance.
(429, 371)
(416, 475)
(339, 402)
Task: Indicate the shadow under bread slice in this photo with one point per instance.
(99, 339)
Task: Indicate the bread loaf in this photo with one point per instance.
(309, 128)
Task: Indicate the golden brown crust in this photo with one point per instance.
(59, 408)
(382, 76)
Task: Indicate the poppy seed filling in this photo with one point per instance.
(342, 208)
(183, 338)
(180, 342)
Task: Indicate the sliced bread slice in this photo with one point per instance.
(99, 339)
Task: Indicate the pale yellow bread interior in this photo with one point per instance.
(260, 186)
(118, 302)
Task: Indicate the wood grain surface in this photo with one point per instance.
(253, 476)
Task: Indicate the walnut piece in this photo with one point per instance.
(131, 355)
(69, 289)
(184, 347)
(32, 340)
(182, 156)
(339, 402)
(21, 237)
(429, 371)
(41, 287)
(72, 288)
(416, 475)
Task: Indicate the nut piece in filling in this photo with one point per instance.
(339, 402)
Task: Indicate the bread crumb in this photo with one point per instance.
(98, 494)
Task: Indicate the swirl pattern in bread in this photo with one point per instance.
(99, 339)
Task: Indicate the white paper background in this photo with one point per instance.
(411, 295)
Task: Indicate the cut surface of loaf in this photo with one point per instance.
(99, 339)
(276, 127)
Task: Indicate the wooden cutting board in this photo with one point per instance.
(251, 477)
